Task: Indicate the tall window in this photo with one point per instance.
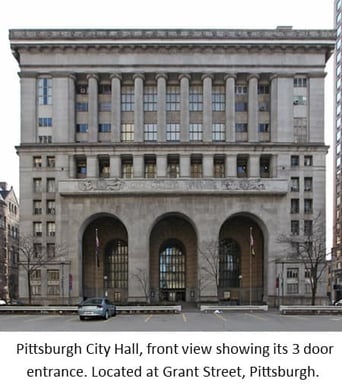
(196, 167)
(127, 132)
(219, 132)
(172, 132)
(173, 98)
(218, 99)
(150, 132)
(150, 99)
(45, 91)
(150, 167)
(265, 167)
(37, 185)
(127, 99)
(172, 267)
(104, 166)
(242, 166)
(127, 168)
(50, 185)
(173, 166)
(195, 132)
(116, 264)
(196, 98)
(219, 167)
(229, 263)
(81, 167)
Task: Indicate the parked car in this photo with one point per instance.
(96, 307)
(338, 303)
(2, 302)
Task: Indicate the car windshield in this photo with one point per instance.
(93, 301)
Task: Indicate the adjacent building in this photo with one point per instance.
(9, 238)
(142, 151)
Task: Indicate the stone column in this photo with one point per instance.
(254, 166)
(230, 166)
(207, 80)
(161, 166)
(208, 166)
(273, 108)
(93, 109)
(115, 166)
(92, 167)
(253, 108)
(138, 166)
(138, 107)
(161, 107)
(230, 107)
(72, 114)
(184, 107)
(72, 167)
(28, 105)
(184, 165)
(116, 108)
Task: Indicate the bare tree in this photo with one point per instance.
(141, 276)
(309, 249)
(34, 256)
(210, 254)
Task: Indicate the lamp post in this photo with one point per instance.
(62, 283)
(240, 284)
(105, 278)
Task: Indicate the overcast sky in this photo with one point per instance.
(301, 14)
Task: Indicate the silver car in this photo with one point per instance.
(96, 307)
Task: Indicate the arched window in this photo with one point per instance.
(172, 267)
(229, 265)
(116, 264)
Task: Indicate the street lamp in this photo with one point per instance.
(62, 283)
(105, 278)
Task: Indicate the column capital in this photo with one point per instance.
(161, 75)
(92, 75)
(138, 75)
(230, 75)
(207, 75)
(115, 76)
(184, 75)
(253, 75)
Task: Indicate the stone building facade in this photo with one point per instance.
(143, 150)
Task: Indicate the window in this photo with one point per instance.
(81, 107)
(219, 167)
(241, 127)
(127, 133)
(263, 89)
(195, 132)
(264, 127)
(116, 264)
(300, 82)
(53, 280)
(104, 166)
(37, 185)
(82, 128)
(105, 127)
(294, 161)
(81, 167)
(127, 167)
(196, 167)
(196, 98)
(299, 100)
(292, 273)
(229, 264)
(172, 267)
(150, 132)
(308, 206)
(308, 227)
(295, 184)
(219, 132)
(45, 121)
(218, 99)
(44, 139)
(240, 90)
(50, 161)
(44, 91)
(37, 207)
(105, 89)
(294, 228)
(150, 99)
(173, 98)
(292, 288)
(51, 207)
(307, 184)
(50, 229)
(241, 106)
(37, 250)
(300, 125)
(265, 167)
(53, 275)
(50, 250)
(37, 161)
(105, 106)
(242, 167)
(150, 167)
(50, 185)
(172, 132)
(36, 278)
(307, 160)
(294, 206)
(127, 99)
(173, 166)
(37, 229)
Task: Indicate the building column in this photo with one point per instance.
(28, 105)
(184, 166)
(208, 166)
(93, 116)
(207, 120)
(92, 167)
(230, 107)
(161, 107)
(138, 107)
(116, 108)
(138, 166)
(273, 108)
(253, 107)
(184, 107)
(230, 166)
(115, 166)
(72, 167)
(72, 114)
(254, 166)
(161, 166)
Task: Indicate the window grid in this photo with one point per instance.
(195, 132)
(172, 132)
(45, 91)
(150, 99)
(150, 132)
(116, 264)
(219, 132)
(173, 98)
(196, 98)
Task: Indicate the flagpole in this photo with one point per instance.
(250, 266)
(96, 258)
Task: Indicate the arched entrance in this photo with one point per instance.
(173, 260)
(105, 259)
(241, 264)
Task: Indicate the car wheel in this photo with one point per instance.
(106, 316)
(82, 318)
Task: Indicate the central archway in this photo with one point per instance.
(173, 260)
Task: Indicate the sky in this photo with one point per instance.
(301, 14)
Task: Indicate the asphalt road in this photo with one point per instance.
(185, 321)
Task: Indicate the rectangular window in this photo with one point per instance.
(219, 132)
(37, 250)
(241, 106)
(44, 139)
(81, 107)
(50, 161)
(294, 206)
(53, 282)
(300, 82)
(150, 132)
(263, 127)
(50, 229)
(104, 166)
(241, 127)
(196, 98)
(294, 228)
(240, 90)
(105, 127)
(37, 229)
(307, 160)
(307, 184)
(294, 161)
(127, 99)
(44, 91)
(292, 288)
(292, 273)
(37, 161)
(105, 106)
(172, 132)
(50, 185)
(45, 121)
(37, 207)
(50, 250)
(173, 166)
(81, 167)
(150, 99)
(82, 128)
(219, 166)
(265, 166)
(242, 167)
(105, 89)
(173, 98)
(127, 167)
(308, 206)
(150, 167)
(127, 133)
(299, 100)
(50, 207)
(195, 132)
(196, 167)
(218, 99)
(37, 185)
(263, 89)
(308, 227)
(295, 184)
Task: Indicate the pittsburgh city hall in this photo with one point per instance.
(167, 163)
